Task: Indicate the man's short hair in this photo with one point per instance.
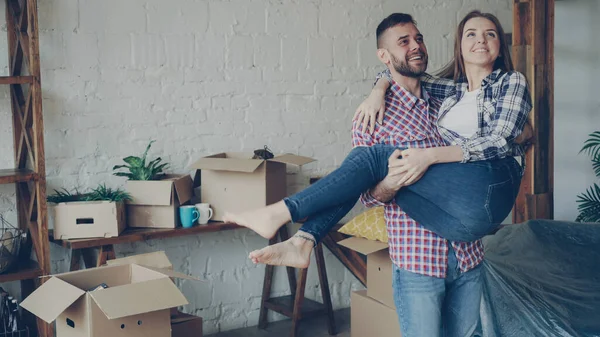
(391, 21)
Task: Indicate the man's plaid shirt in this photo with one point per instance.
(410, 122)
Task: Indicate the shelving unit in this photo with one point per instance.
(29, 175)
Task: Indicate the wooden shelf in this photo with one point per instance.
(23, 271)
(16, 79)
(9, 176)
(143, 234)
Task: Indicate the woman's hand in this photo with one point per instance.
(413, 164)
(526, 137)
(373, 107)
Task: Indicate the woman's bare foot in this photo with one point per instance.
(294, 252)
(265, 221)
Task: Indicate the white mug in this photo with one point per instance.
(206, 213)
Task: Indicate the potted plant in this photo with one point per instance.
(100, 193)
(155, 196)
(97, 213)
(589, 201)
(139, 170)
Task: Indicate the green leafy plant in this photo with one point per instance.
(589, 201)
(100, 193)
(65, 196)
(138, 170)
(106, 193)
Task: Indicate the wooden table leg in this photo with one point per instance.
(266, 293)
(75, 260)
(325, 288)
(106, 252)
(88, 257)
(291, 271)
(298, 300)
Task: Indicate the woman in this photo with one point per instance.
(479, 119)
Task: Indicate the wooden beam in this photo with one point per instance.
(16, 79)
(533, 55)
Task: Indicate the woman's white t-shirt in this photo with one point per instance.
(462, 118)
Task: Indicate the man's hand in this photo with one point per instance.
(389, 186)
(412, 166)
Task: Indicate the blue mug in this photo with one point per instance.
(188, 215)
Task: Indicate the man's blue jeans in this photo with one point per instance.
(457, 201)
(429, 306)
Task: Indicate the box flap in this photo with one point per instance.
(51, 299)
(363, 246)
(171, 273)
(151, 192)
(292, 159)
(154, 259)
(138, 298)
(228, 164)
(184, 189)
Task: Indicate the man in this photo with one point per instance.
(437, 283)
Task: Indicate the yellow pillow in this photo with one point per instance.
(369, 225)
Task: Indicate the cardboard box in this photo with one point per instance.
(379, 268)
(136, 303)
(154, 260)
(88, 219)
(155, 203)
(234, 182)
(184, 325)
(369, 317)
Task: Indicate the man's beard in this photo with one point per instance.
(404, 69)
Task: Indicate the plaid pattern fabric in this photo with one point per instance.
(503, 106)
(410, 122)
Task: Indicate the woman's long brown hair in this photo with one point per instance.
(456, 68)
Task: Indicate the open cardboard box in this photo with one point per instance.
(154, 260)
(155, 203)
(182, 325)
(88, 219)
(235, 182)
(136, 302)
(379, 268)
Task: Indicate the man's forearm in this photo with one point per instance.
(382, 192)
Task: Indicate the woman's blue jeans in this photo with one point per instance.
(457, 201)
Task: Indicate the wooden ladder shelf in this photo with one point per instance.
(29, 174)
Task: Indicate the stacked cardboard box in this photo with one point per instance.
(372, 311)
(155, 203)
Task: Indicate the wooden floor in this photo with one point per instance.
(313, 327)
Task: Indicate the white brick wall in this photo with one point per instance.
(206, 76)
